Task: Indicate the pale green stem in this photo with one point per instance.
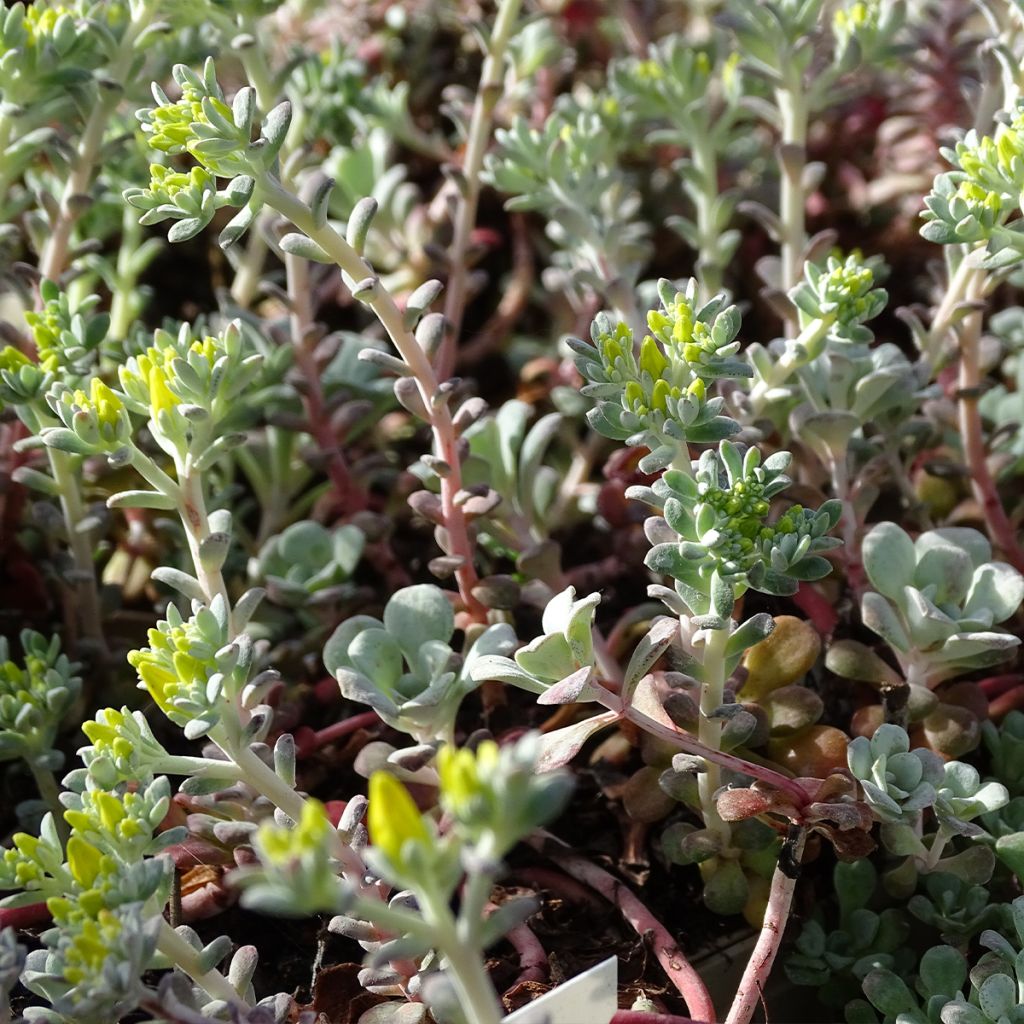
(850, 524)
(475, 894)
(792, 104)
(122, 302)
(183, 956)
(961, 281)
(264, 779)
(705, 160)
(790, 360)
(478, 1000)
(192, 509)
(50, 792)
(383, 304)
(477, 140)
(942, 837)
(709, 730)
(80, 545)
(53, 260)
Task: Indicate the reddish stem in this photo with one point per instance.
(686, 980)
(558, 883)
(982, 483)
(24, 917)
(300, 319)
(533, 958)
(308, 742)
(994, 686)
(780, 900)
(692, 745)
(1003, 705)
(813, 603)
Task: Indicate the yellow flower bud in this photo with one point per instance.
(393, 817)
(83, 861)
(652, 359)
(160, 396)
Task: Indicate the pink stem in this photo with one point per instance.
(810, 600)
(780, 899)
(686, 980)
(559, 884)
(308, 741)
(994, 686)
(1007, 702)
(533, 958)
(693, 746)
(24, 917)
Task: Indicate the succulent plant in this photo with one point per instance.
(938, 600)
(403, 666)
(307, 562)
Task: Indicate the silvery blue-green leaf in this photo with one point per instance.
(654, 643)
(335, 654)
(572, 689)
(968, 645)
(417, 614)
(375, 654)
(560, 746)
(996, 588)
(889, 559)
(356, 687)
(975, 543)
(946, 569)
(888, 993)
(299, 245)
(505, 670)
(881, 618)
(549, 657)
(997, 996)
(929, 626)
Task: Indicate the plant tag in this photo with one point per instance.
(589, 998)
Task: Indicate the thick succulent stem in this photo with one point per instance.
(780, 900)
(709, 730)
(792, 104)
(183, 956)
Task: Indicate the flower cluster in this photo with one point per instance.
(34, 699)
(219, 137)
(974, 202)
(94, 421)
(190, 669)
(660, 400)
(298, 872)
(188, 387)
(717, 526)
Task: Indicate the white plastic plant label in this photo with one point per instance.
(589, 998)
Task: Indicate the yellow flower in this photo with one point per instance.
(393, 817)
(84, 861)
(160, 396)
(464, 777)
(280, 846)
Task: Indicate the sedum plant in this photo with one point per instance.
(937, 600)
(356, 420)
